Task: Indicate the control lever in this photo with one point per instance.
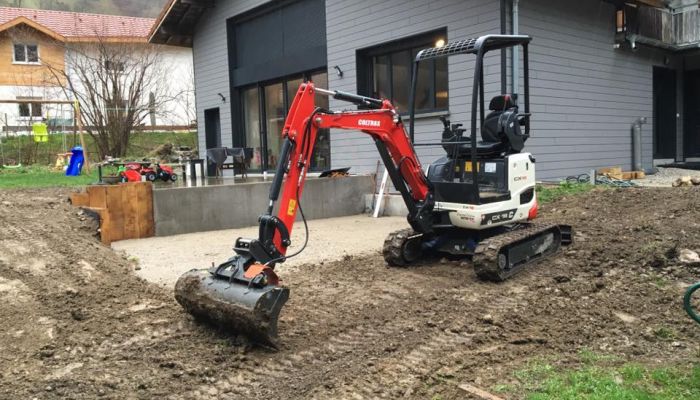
(445, 122)
(457, 131)
(522, 117)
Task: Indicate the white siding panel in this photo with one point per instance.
(353, 25)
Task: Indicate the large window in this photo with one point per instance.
(25, 53)
(264, 109)
(385, 71)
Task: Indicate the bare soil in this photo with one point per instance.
(78, 324)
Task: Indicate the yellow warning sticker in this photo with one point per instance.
(468, 166)
(291, 207)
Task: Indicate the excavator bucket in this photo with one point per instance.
(233, 306)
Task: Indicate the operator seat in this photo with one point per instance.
(494, 140)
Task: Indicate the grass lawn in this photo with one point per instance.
(546, 194)
(40, 176)
(605, 378)
(140, 144)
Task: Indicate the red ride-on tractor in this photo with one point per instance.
(133, 171)
(166, 173)
(150, 173)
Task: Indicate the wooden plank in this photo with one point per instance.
(629, 175)
(482, 394)
(130, 209)
(640, 175)
(144, 220)
(81, 199)
(115, 208)
(98, 196)
(610, 171)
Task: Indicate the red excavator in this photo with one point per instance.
(477, 201)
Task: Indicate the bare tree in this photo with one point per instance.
(117, 85)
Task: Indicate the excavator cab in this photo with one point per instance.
(474, 167)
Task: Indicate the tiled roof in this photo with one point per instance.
(82, 25)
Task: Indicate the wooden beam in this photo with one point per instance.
(78, 120)
(654, 3)
(17, 101)
(481, 394)
(199, 3)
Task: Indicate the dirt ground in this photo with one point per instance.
(332, 239)
(78, 324)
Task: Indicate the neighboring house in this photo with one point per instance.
(595, 67)
(37, 46)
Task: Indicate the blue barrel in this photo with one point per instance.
(76, 161)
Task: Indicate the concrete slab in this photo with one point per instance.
(163, 259)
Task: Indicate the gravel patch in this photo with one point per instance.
(665, 177)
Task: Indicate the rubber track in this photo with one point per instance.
(393, 247)
(485, 258)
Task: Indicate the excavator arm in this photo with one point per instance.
(243, 294)
(381, 122)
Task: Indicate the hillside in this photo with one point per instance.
(133, 8)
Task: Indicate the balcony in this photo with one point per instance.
(672, 29)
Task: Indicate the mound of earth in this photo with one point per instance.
(78, 324)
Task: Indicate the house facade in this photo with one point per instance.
(40, 48)
(595, 69)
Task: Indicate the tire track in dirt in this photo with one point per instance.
(253, 378)
(399, 374)
(319, 323)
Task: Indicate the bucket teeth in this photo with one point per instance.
(234, 307)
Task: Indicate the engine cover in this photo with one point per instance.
(506, 184)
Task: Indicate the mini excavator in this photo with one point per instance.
(477, 201)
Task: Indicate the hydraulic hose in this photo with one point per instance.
(686, 302)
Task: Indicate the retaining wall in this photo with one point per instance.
(206, 208)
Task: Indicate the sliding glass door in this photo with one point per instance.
(264, 109)
(251, 119)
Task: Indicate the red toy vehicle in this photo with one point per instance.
(165, 173)
(133, 171)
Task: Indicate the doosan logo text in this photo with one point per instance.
(368, 122)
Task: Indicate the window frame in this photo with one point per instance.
(26, 54)
(111, 66)
(262, 112)
(365, 67)
(32, 103)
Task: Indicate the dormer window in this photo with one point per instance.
(25, 54)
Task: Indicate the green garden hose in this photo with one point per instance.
(686, 302)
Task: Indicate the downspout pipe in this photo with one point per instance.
(637, 143)
(504, 54)
(515, 65)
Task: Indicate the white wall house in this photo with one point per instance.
(38, 46)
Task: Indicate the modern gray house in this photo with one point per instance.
(596, 67)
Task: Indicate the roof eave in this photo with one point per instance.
(176, 22)
(33, 24)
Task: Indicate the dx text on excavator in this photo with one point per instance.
(476, 201)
